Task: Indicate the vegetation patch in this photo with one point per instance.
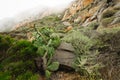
(83, 45)
(89, 45)
(19, 56)
(107, 21)
(108, 13)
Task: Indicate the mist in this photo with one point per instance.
(13, 12)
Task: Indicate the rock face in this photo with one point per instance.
(106, 13)
(65, 55)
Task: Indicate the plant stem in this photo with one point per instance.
(45, 55)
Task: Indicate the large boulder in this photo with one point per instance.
(65, 55)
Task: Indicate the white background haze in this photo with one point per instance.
(14, 11)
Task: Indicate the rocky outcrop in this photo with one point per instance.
(105, 13)
(65, 55)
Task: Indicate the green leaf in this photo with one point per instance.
(41, 50)
(55, 42)
(54, 66)
(51, 51)
(47, 74)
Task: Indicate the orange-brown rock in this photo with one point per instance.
(84, 12)
(79, 5)
(68, 28)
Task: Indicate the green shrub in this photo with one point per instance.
(28, 76)
(80, 42)
(110, 30)
(108, 13)
(53, 66)
(41, 50)
(55, 42)
(20, 54)
(93, 25)
(86, 49)
(5, 42)
(110, 38)
(23, 50)
(46, 31)
(5, 76)
(107, 21)
(19, 67)
(48, 21)
(46, 44)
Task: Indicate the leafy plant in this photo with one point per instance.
(21, 50)
(50, 68)
(53, 66)
(5, 76)
(47, 74)
(19, 57)
(81, 42)
(46, 45)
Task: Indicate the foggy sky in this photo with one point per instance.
(10, 8)
(14, 11)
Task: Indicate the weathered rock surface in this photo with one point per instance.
(64, 58)
(65, 55)
(83, 12)
(66, 23)
(66, 46)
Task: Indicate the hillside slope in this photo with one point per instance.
(84, 40)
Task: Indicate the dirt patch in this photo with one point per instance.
(61, 75)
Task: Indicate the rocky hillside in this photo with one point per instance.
(100, 13)
(83, 42)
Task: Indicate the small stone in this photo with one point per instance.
(66, 23)
(68, 28)
(77, 20)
